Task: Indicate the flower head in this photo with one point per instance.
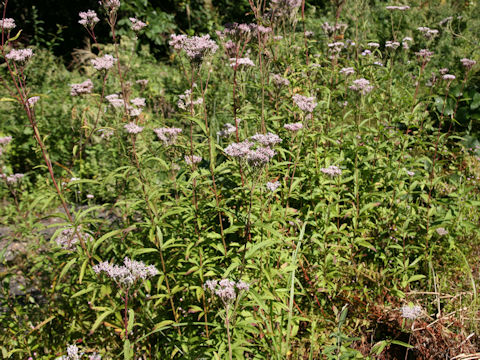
(441, 231)
(361, 85)
(129, 273)
(133, 128)
(468, 63)
(88, 18)
(272, 186)
(226, 289)
(140, 102)
(192, 159)
(293, 127)
(69, 237)
(32, 101)
(110, 5)
(85, 87)
(137, 25)
(411, 312)
(332, 171)
(115, 100)
(196, 47)
(280, 80)
(168, 135)
(236, 62)
(8, 24)
(103, 63)
(347, 71)
(266, 140)
(21, 55)
(307, 104)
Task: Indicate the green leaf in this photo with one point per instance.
(475, 101)
(131, 319)
(127, 350)
(100, 319)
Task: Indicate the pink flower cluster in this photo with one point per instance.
(32, 101)
(140, 102)
(168, 135)
(361, 85)
(133, 128)
(468, 63)
(88, 18)
(196, 47)
(332, 171)
(347, 71)
(115, 100)
(12, 179)
(129, 273)
(85, 87)
(137, 25)
(305, 103)
(425, 54)
(373, 44)
(8, 24)
(5, 140)
(448, 77)
(441, 231)
(256, 158)
(294, 127)
(185, 100)
(227, 130)
(269, 139)
(236, 62)
(392, 44)
(19, 55)
(226, 289)
(284, 9)
(192, 159)
(272, 186)
(331, 29)
(69, 237)
(411, 312)
(110, 5)
(280, 80)
(400, 8)
(427, 32)
(103, 63)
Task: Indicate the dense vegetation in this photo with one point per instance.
(304, 185)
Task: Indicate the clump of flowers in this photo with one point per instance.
(192, 159)
(8, 24)
(115, 100)
(133, 128)
(399, 8)
(293, 127)
(237, 62)
(280, 80)
(228, 129)
(20, 56)
(85, 87)
(284, 9)
(272, 185)
(69, 237)
(392, 44)
(140, 102)
(88, 18)
(196, 47)
(332, 171)
(441, 231)
(448, 77)
(361, 85)
(129, 273)
(12, 179)
(373, 44)
(427, 32)
(185, 100)
(425, 54)
(72, 353)
(331, 29)
(305, 103)
(347, 71)
(226, 290)
(32, 101)
(266, 140)
(103, 63)
(168, 135)
(411, 311)
(468, 63)
(137, 25)
(110, 5)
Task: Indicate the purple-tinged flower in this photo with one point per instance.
(330, 29)
(361, 85)
(142, 82)
(72, 353)
(8, 24)
(392, 44)
(137, 25)
(5, 140)
(185, 100)
(227, 130)
(336, 46)
(399, 8)
(12, 179)
(90, 196)
(294, 127)
(307, 104)
(332, 171)
(196, 47)
(68, 237)
(236, 62)
(347, 71)
(262, 30)
(309, 34)
(272, 186)
(446, 20)
(260, 156)
(88, 18)
(94, 356)
(441, 231)
(278, 37)
(407, 38)
(266, 140)
(411, 312)
(443, 71)
(127, 274)
(103, 63)
(378, 63)
(425, 54)
(110, 5)
(133, 128)
(168, 135)
(134, 112)
(427, 32)
(105, 133)
(239, 150)
(115, 100)
(468, 63)
(280, 80)
(284, 9)
(85, 87)
(226, 289)
(373, 44)
(366, 52)
(32, 101)
(140, 102)
(192, 159)
(410, 173)
(448, 77)
(21, 55)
